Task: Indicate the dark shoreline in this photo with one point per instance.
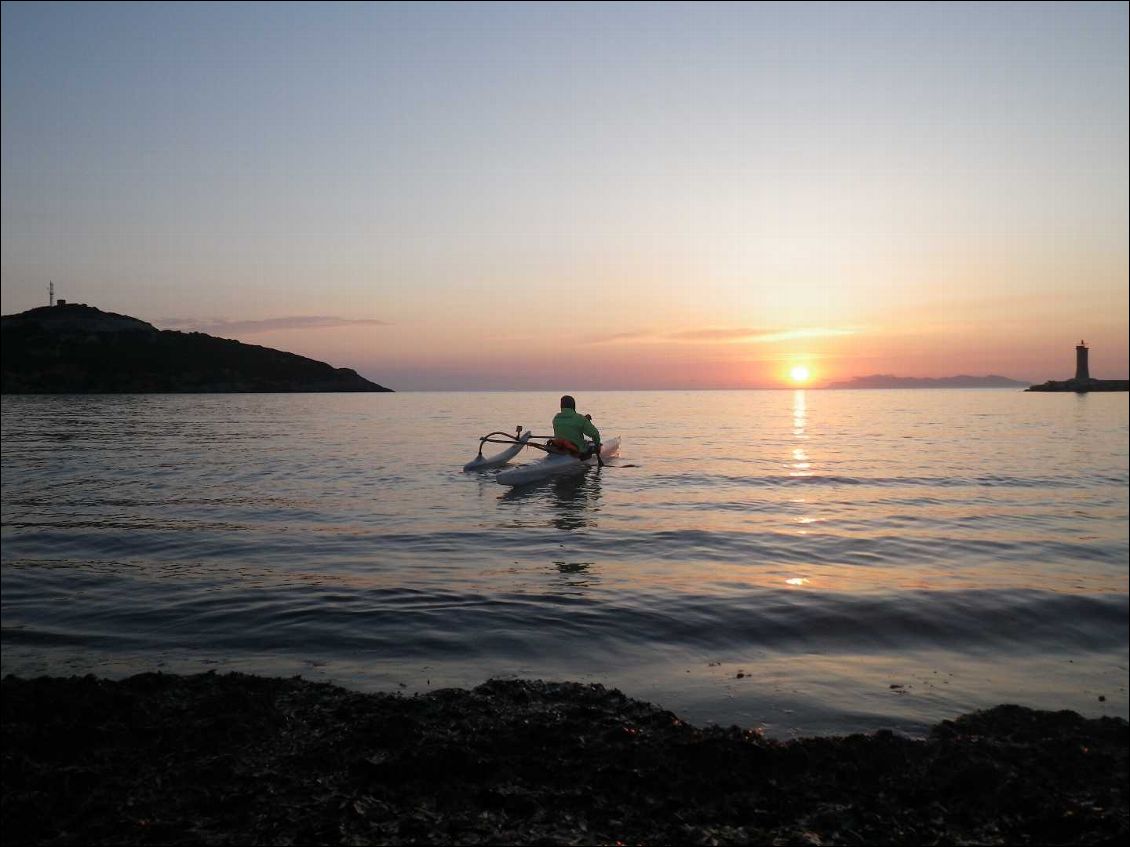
(234, 759)
(1081, 386)
(72, 348)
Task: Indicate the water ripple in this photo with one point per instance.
(823, 533)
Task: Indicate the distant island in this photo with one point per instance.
(962, 381)
(1082, 382)
(71, 348)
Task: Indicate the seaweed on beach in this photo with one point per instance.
(236, 759)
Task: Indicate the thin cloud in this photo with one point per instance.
(638, 335)
(710, 334)
(792, 334)
(218, 326)
(721, 335)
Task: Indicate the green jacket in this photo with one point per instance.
(574, 427)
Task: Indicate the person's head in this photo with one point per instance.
(567, 402)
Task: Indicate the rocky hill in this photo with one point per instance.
(78, 349)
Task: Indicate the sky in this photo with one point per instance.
(571, 196)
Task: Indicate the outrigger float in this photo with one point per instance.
(556, 461)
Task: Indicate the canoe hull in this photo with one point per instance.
(552, 466)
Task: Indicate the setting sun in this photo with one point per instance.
(799, 374)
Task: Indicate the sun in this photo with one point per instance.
(799, 374)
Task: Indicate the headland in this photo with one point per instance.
(71, 348)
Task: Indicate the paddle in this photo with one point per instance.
(599, 461)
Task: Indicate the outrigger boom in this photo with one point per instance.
(515, 443)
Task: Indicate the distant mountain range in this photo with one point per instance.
(962, 381)
(77, 349)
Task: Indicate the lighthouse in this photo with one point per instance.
(1083, 381)
(1081, 370)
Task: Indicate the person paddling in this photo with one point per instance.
(570, 429)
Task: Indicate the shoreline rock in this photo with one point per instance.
(221, 759)
(1082, 386)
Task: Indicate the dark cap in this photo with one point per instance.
(567, 402)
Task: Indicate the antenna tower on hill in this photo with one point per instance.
(50, 294)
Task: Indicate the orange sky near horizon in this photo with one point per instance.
(727, 358)
(506, 196)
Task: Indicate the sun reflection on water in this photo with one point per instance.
(800, 466)
(799, 413)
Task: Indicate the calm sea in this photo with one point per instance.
(809, 562)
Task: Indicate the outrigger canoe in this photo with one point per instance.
(555, 464)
